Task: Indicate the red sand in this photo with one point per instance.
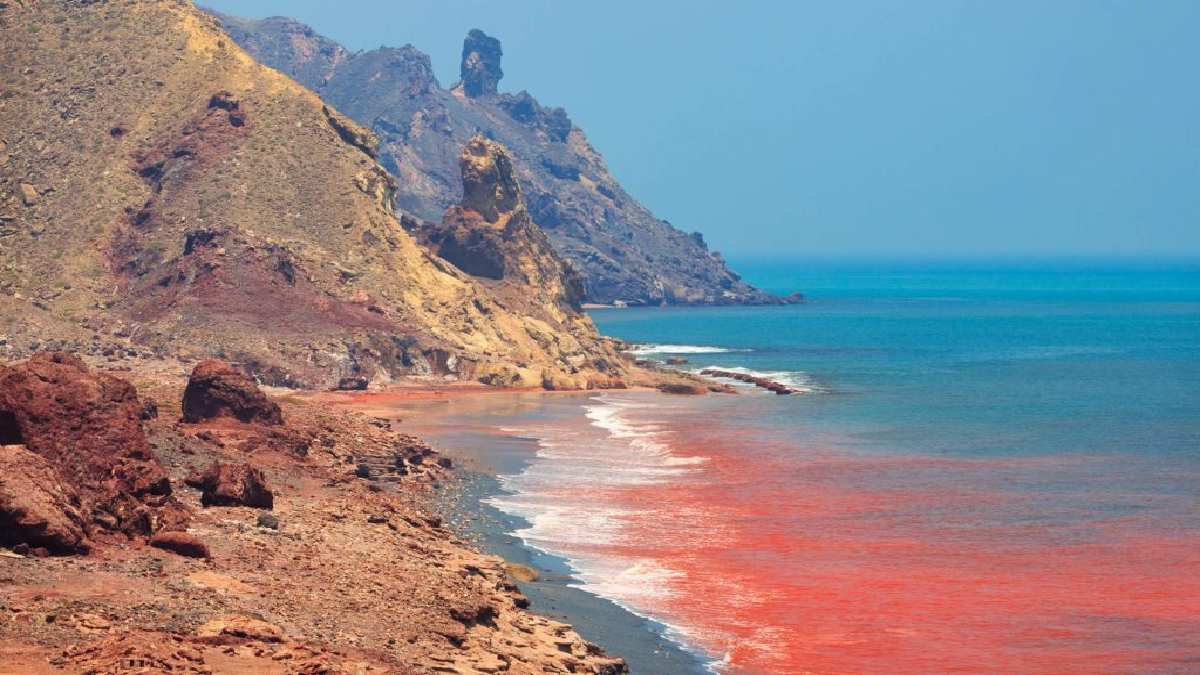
(822, 562)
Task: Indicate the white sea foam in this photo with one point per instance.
(681, 349)
(560, 494)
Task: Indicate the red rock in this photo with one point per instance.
(36, 507)
(217, 389)
(88, 427)
(235, 485)
(182, 543)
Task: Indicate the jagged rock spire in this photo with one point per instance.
(489, 183)
(481, 64)
(491, 234)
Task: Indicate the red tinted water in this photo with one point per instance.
(791, 559)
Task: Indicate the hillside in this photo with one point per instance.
(622, 250)
(164, 194)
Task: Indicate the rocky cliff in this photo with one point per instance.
(622, 250)
(164, 192)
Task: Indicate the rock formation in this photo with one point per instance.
(491, 235)
(621, 249)
(37, 509)
(480, 68)
(234, 485)
(217, 389)
(187, 201)
(86, 465)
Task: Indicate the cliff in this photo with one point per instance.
(165, 195)
(621, 249)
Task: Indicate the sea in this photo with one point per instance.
(987, 467)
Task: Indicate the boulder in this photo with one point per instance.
(36, 507)
(234, 485)
(182, 543)
(29, 194)
(218, 390)
(87, 426)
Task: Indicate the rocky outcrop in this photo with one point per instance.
(234, 485)
(87, 427)
(758, 381)
(492, 237)
(37, 508)
(217, 389)
(491, 234)
(622, 250)
(480, 68)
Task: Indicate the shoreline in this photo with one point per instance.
(485, 452)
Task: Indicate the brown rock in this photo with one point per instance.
(88, 427)
(235, 485)
(29, 194)
(184, 544)
(234, 629)
(491, 234)
(521, 572)
(216, 389)
(36, 507)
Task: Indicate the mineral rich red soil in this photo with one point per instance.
(346, 569)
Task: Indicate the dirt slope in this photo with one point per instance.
(163, 192)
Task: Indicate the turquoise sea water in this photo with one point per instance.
(963, 359)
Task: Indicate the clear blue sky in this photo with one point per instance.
(866, 128)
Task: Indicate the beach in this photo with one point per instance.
(474, 426)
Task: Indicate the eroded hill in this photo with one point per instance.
(164, 191)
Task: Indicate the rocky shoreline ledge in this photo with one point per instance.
(225, 530)
(763, 382)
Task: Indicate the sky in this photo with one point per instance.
(922, 128)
